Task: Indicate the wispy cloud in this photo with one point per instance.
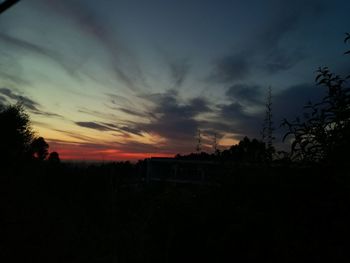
(179, 70)
(28, 103)
(94, 125)
(103, 126)
(123, 61)
(22, 45)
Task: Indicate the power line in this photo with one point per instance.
(7, 4)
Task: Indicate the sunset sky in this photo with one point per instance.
(126, 80)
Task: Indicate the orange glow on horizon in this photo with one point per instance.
(78, 152)
(73, 156)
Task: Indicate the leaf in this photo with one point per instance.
(286, 135)
(318, 77)
(347, 37)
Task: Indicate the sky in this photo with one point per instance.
(126, 80)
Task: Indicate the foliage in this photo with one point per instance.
(39, 149)
(323, 134)
(54, 157)
(247, 151)
(15, 133)
(18, 141)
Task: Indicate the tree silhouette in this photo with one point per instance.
(247, 151)
(39, 149)
(54, 157)
(324, 133)
(15, 133)
(17, 140)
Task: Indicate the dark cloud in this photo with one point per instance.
(119, 100)
(123, 128)
(290, 102)
(133, 112)
(233, 112)
(179, 70)
(103, 126)
(198, 105)
(237, 115)
(132, 130)
(276, 30)
(251, 94)
(281, 60)
(240, 122)
(94, 125)
(175, 120)
(47, 114)
(123, 104)
(231, 68)
(264, 52)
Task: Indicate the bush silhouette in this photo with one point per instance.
(324, 133)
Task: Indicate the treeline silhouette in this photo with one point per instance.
(245, 152)
(20, 146)
(280, 209)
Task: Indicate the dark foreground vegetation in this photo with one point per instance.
(275, 214)
(258, 208)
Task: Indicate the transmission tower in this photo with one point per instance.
(267, 130)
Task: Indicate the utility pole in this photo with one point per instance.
(215, 143)
(7, 4)
(199, 141)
